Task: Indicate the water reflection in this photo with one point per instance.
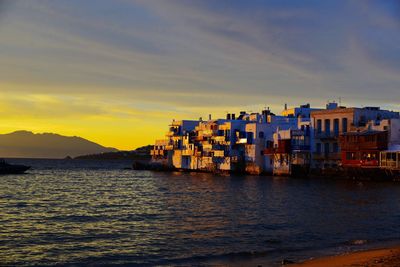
(113, 216)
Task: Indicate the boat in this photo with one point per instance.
(7, 168)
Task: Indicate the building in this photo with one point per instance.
(390, 160)
(291, 150)
(334, 121)
(234, 144)
(300, 139)
(361, 149)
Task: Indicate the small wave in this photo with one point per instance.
(78, 218)
(358, 242)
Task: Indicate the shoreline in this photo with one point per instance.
(389, 256)
(378, 255)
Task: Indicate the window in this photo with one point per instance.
(250, 137)
(261, 135)
(319, 126)
(336, 127)
(349, 156)
(344, 125)
(318, 148)
(270, 143)
(327, 126)
(326, 148)
(335, 147)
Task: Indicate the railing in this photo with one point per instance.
(200, 138)
(209, 132)
(187, 152)
(169, 133)
(219, 153)
(220, 138)
(301, 147)
(327, 156)
(363, 145)
(326, 135)
(207, 147)
(157, 152)
(241, 141)
(169, 147)
(389, 164)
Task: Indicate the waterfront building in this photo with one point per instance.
(361, 149)
(334, 121)
(291, 149)
(293, 142)
(169, 151)
(361, 146)
(159, 151)
(390, 161)
(390, 158)
(230, 144)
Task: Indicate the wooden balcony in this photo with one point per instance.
(368, 140)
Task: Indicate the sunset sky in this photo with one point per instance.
(117, 72)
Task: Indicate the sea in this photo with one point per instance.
(101, 213)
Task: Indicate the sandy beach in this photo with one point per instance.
(380, 257)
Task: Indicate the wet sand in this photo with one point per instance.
(372, 258)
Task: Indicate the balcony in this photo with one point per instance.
(157, 152)
(300, 147)
(269, 151)
(327, 156)
(170, 133)
(326, 135)
(207, 147)
(241, 141)
(220, 138)
(209, 133)
(219, 153)
(187, 152)
(200, 138)
(169, 147)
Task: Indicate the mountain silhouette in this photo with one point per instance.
(25, 144)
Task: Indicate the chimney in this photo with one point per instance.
(285, 106)
(233, 116)
(209, 117)
(228, 116)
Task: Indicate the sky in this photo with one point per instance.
(117, 72)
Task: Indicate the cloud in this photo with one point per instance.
(153, 60)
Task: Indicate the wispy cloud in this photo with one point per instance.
(141, 58)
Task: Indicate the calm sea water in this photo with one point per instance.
(97, 213)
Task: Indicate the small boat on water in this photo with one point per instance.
(6, 168)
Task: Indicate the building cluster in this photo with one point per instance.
(297, 141)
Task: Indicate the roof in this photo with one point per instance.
(393, 148)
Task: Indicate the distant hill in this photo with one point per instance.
(24, 144)
(141, 153)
